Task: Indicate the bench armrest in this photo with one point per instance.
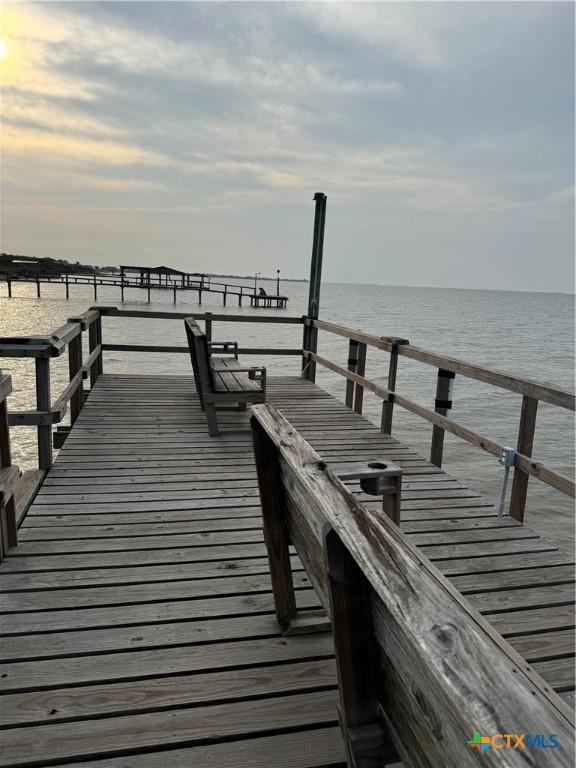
(223, 348)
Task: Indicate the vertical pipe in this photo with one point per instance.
(443, 403)
(525, 443)
(43, 404)
(310, 339)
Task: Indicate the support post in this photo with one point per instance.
(208, 326)
(388, 406)
(9, 288)
(95, 288)
(121, 283)
(38, 287)
(74, 365)
(174, 294)
(67, 286)
(148, 293)
(360, 370)
(352, 366)
(43, 404)
(224, 296)
(525, 443)
(443, 404)
(310, 337)
(274, 525)
(92, 344)
(99, 362)
(367, 742)
(8, 527)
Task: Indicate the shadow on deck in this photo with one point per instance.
(138, 625)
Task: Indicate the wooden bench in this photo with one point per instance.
(423, 677)
(221, 380)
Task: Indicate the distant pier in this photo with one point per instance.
(157, 278)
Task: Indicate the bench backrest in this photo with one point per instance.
(200, 357)
(422, 676)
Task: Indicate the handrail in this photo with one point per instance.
(184, 350)
(413, 657)
(69, 336)
(524, 463)
(115, 312)
(536, 389)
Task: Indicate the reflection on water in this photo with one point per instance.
(530, 334)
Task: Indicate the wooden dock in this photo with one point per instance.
(186, 283)
(137, 615)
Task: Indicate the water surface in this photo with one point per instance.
(529, 334)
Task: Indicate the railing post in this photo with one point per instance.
(92, 344)
(352, 366)
(43, 404)
(388, 405)
(8, 526)
(360, 370)
(525, 442)
(443, 403)
(310, 337)
(74, 365)
(367, 742)
(99, 361)
(208, 326)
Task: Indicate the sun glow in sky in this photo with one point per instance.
(196, 134)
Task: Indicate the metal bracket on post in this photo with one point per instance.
(507, 459)
(377, 478)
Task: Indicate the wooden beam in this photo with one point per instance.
(524, 446)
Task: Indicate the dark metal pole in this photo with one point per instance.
(311, 333)
(277, 282)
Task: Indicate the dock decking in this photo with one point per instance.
(137, 615)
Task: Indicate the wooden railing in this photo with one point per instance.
(9, 475)
(69, 337)
(418, 668)
(448, 367)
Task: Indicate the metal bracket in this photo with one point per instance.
(507, 459)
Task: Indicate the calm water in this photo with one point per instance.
(529, 334)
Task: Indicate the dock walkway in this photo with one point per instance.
(137, 615)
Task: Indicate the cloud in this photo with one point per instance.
(404, 31)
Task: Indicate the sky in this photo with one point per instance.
(196, 134)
